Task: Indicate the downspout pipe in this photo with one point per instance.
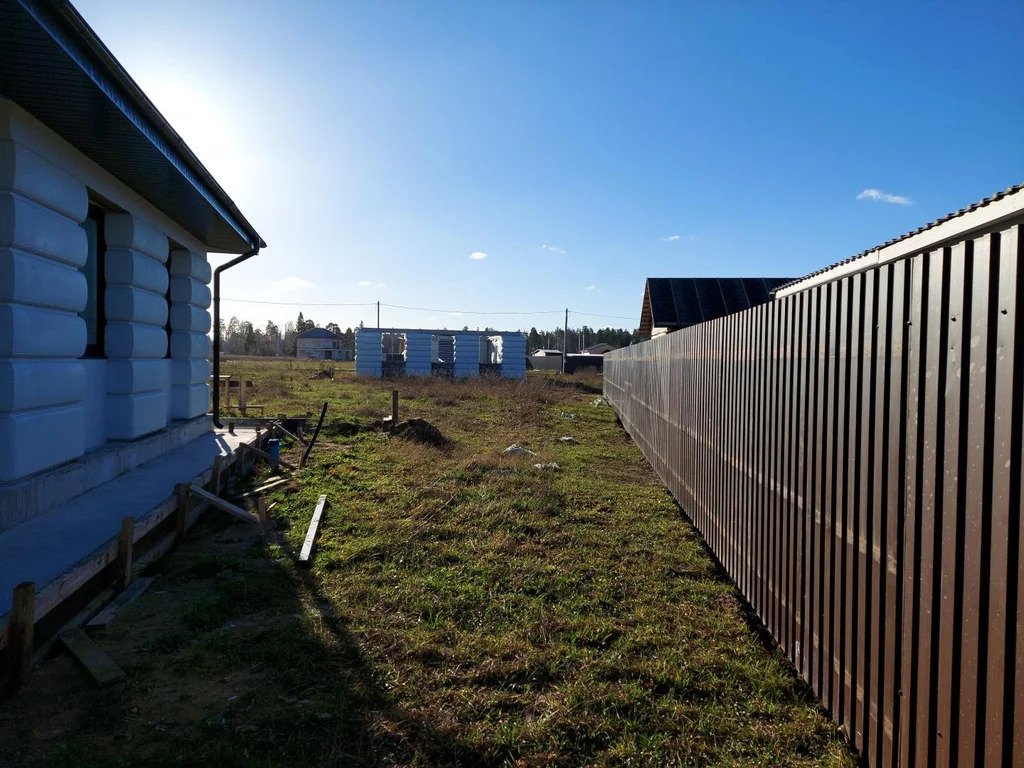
(216, 329)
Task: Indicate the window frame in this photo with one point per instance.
(97, 348)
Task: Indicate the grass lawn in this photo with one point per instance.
(464, 608)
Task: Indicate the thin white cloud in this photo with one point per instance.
(381, 285)
(552, 248)
(364, 283)
(478, 255)
(591, 288)
(291, 284)
(674, 238)
(878, 196)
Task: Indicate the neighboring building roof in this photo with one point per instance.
(986, 212)
(679, 302)
(54, 66)
(600, 349)
(546, 352)
(317, 333)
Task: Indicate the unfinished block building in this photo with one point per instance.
(459, 354)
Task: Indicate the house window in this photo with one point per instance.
(93, 269)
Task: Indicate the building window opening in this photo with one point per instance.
(442, 348)
(95, 280)
(392, 354)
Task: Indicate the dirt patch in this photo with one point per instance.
(420, 431)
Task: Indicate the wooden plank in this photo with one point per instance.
(94, 660)
(21, 634)
(271, 484)
(314, 525)
(104, 617)
(225, 506)
(125, 542)
(268, 457)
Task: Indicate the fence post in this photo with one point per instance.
(124, 554)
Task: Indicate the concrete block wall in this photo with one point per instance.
(135, 340)
(418, 353)
(42, 246)
(467, 354)
(369, 353)
(190, 323)
(513, 356)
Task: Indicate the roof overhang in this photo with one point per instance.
(54, 66)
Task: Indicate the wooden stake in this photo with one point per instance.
(314, 524)
(123, 564)
(183, 513)
(394, 407)
(226, 506)
(241, 394)
(21, 634)
(261, 509)
(215, 480)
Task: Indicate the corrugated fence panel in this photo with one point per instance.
(852, 453)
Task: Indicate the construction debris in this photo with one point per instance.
(548, 465)
(518, 450)
(566, 415)
(419, 431)
(568, 440)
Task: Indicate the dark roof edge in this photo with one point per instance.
(66, 26)
(840, 269)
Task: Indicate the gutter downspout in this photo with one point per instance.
(216, 329)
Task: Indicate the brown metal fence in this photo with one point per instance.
(851, 452)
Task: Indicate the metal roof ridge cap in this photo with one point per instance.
(954, 225)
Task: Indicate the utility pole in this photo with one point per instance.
(565, 340)
(378, 314)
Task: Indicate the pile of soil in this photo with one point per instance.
(419, 431)
(322, 375)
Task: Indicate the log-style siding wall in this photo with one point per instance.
(852, 454)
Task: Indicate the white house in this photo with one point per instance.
(319, 344)
(106, 219)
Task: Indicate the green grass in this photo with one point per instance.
(463, 608)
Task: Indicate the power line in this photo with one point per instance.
(592, 314)
(299, 303)
(422, 309)
(471, 312)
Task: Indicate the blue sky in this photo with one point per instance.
(582, 146)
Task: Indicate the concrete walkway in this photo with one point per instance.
(44, 548)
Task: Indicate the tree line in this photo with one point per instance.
(241, 337)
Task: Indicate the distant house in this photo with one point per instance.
(547, 353)
(672, 303)
(320, 344)
(599, 349)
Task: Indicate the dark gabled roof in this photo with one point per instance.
(54, 66)
(678, 302)
(810, 278)
(317, 333)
